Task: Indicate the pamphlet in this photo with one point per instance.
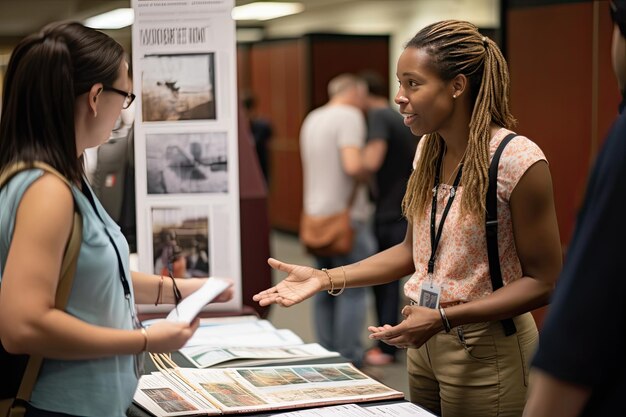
(191, 305)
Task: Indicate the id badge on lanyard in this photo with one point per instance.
(430, 292)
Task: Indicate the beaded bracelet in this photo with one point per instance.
(330, 279)
(331, 291)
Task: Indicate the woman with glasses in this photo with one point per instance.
(65, 87)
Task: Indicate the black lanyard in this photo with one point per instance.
(435, 237)
(89, 195)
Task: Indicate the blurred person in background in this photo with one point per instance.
(331, 140)
(388, 156)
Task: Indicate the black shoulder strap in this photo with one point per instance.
(492, 228)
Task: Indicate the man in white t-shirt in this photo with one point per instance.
(331, 139)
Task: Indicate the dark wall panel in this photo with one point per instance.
(563, 93)
(550, 57)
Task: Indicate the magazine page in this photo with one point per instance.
(161, 398)
(204, 357)
(271, 388)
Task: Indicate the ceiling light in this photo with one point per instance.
(265, 10)
(115, 19)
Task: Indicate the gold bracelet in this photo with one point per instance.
(144, 332)
(332, 286)
(343, 287)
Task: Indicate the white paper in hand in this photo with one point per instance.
(189, 308)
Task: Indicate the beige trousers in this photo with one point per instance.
(475, 370)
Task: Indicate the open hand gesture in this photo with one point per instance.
(419, 325)
(301, 283)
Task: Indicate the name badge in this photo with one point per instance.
(429, 295)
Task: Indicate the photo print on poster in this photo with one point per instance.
(178, 87)
(179, 163)
(180, 241)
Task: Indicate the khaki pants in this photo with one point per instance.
(475, 370)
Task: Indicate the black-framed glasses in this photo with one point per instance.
(128, 97)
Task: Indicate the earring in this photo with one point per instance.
(453, 95)
(95, 114)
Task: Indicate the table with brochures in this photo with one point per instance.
(311, 387)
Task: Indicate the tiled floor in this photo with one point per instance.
(299, 318)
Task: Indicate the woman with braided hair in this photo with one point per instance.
(468, 355)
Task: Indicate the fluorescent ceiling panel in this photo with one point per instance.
(115, 19)
(265, 10)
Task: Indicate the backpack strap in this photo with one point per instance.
(68, 269)
(491, 224)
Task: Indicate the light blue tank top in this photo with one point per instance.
(102, 387)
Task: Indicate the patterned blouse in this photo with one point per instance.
(462, 267)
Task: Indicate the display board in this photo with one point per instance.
(187, 185)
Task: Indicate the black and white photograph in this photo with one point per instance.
(181, 163)
(178, 87)
(429, 299)
(180, 241)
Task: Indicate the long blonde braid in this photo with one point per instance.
(456, 47)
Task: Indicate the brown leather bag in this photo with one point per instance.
(330, 235)
(327, 235)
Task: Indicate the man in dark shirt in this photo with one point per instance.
(580, 366)
(389, 155)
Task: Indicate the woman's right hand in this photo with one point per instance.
(301, 283)
(167, 336)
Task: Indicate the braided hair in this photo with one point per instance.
(456, 47)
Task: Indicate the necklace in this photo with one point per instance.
(452, 191)
(455, 168)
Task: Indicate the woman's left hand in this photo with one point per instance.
(419, 325)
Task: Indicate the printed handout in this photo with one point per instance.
(189, 308)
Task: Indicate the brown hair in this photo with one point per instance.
(456, 47)
(46, 72)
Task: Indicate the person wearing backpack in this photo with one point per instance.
(469, 355)
(64, 89)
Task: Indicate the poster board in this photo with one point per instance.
(187, 185)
